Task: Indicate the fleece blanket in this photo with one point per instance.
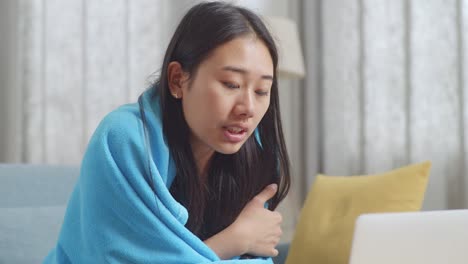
(115, 214)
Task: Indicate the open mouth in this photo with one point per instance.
(234, 134)
(235, 130)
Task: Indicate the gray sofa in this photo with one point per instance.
(33, 199)
(32, 205)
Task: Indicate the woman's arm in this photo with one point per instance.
(225, 244)
(256, 230)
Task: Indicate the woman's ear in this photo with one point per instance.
(177, 79)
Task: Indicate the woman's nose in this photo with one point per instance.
(245, 106)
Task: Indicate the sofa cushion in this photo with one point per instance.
(29, 233)
(28, 185)
(326, 224)
(33, 199)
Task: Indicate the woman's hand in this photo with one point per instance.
(257, 229)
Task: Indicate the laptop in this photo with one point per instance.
(432, 237)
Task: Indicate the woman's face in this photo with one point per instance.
(228, 95)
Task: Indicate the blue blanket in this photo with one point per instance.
(113, 215)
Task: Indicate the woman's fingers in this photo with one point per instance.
(269, 252)
(258, 227)
(267, 193)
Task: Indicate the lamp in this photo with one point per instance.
(286, 36)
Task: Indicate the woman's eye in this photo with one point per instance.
(262, 93)
(231, 85)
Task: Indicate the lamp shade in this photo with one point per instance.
(286, 36)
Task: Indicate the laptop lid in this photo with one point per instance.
(431, 237)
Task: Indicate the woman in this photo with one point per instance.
(185, 175)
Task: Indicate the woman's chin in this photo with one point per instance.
(230, 148)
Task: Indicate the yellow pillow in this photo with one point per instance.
(325, 228)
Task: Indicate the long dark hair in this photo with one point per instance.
(232, 180)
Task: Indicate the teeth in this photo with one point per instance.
(234, 129)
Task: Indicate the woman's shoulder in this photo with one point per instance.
(125, 124)
(128, 116)
(124, 118)
(122, 125)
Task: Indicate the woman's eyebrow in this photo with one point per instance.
(244, 72)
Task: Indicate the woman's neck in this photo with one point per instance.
(202, 155)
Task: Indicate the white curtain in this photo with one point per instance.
(389, 79)
(77, 61)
